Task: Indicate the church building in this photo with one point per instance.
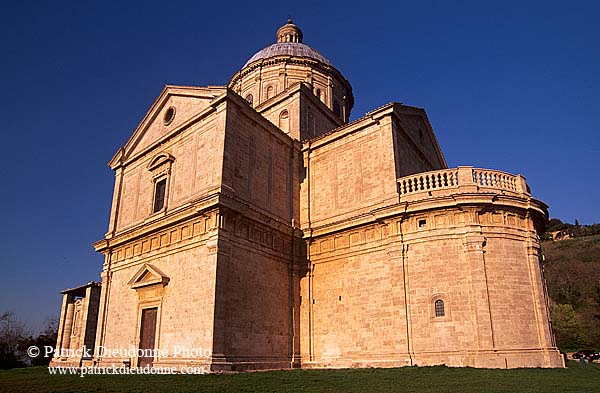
(253, 226)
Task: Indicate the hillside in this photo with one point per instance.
(572, 271)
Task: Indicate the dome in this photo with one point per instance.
(289, 43)
(288, 49)
(289, 62)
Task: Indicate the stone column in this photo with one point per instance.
(259, 87)
(68, 326)
(85, 316)
(474, 243)
(102, 309)
(311, 313)
(218, 256)
(114, 211)
(61, 322)
(294, 294)
(282, 79)
(400, 278)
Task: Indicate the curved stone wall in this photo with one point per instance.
(464, 239)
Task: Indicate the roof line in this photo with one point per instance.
(289, 46)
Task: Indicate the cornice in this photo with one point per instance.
(256, 117)
(368, 119)
(279, 97)
(293, 89)
(461, 200)
(217, 200)
(189, 211)
(287, 59)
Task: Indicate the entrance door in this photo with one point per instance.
(147, 336)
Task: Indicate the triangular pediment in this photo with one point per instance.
(173, 109)
(415, 123)
(148, 275)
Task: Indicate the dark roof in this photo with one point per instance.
(296, 49)
(80, 290)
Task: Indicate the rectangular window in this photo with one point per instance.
(160, 188)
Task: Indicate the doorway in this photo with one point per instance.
(147, 337)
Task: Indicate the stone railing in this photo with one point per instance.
(495, 179)
(427, 181)
(464, 179)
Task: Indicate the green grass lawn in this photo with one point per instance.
(575, 378)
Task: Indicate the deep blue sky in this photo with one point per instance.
(506, 85)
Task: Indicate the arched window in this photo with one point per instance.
(336, 109)
(250, 99)
(319, 94)
(75, 327)
(76, 317)
(270, 92)
(439, 308)
(284, 121)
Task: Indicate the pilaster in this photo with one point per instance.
(474, 244)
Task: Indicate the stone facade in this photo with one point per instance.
(253, 227)
(77, 325)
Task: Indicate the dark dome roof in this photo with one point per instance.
(297, 49)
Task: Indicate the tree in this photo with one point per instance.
(46, 338)
(553, 223)
(566, 327)
(12, 334)
(577, 231)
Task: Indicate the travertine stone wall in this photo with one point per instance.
(349, 175)
(260, 164)
(77, 325)
(308, 116)
(185, 252)
(415, 146)
(200, 258)
(254, 324)
(380, 281)
(354, 170)
(186, 107)
(275, 111)
(316, 118)
(296, 244)
(266, 78)
(194, 142)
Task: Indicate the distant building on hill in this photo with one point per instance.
(560, 235)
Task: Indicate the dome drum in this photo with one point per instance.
(289, 61)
